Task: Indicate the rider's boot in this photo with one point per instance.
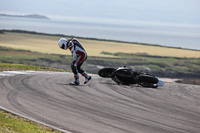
(87, 77)
(76, 81)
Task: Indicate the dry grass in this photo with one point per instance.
(48, 44)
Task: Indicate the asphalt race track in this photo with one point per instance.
(101, 106)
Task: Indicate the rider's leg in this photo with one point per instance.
(76, 76)
(83, 73)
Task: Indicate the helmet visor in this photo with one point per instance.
(63, 46)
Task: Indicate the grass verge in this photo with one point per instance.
(10, 123)
(20, 67)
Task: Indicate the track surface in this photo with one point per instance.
(101, 106)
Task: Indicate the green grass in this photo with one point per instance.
(154, 67)
(10, 123)
(11, 67)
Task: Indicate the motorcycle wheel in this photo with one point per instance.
(106, 72)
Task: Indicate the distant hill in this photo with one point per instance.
(35, 16)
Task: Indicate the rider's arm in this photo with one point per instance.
(74, 55)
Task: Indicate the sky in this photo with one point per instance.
(166, 11)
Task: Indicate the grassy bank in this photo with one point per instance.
(45, 43)
(172, 67)
(20, 67)
(10, 123)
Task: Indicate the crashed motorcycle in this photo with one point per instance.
(126, 76)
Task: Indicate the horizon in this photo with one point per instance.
(108, 21)
(169, 23)
(171, 11)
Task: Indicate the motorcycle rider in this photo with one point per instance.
(79, 55)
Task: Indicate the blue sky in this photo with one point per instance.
(169, 11)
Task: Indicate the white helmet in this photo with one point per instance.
(62, 43)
